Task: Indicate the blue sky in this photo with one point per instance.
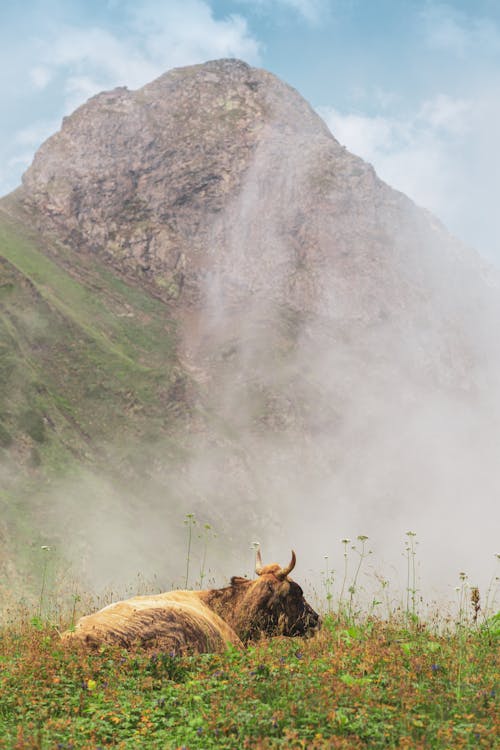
(411, 85)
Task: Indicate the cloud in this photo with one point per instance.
(443, 155)
(449, 29)
(70, 63)
(410, 153)
(157, 37)
(34, 134)
(20, 153)
(40, 76)
(311, 10)
(180, 33)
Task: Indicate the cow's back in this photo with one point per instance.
(175, 622)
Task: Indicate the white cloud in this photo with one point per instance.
(26, 140)
(159, 36)
(21, 159)
(312, 10)
(449, 29)
(443, 155)
(156, 36)
(40, 76)
(180, 33)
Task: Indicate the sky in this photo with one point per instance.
(410, 85)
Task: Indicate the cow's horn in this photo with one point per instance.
(258, 565)
(285, 571)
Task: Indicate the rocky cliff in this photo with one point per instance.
(218, 183)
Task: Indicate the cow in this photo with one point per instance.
(204, 621)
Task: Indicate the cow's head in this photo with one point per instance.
(275, 605)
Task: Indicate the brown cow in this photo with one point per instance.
(204, 621)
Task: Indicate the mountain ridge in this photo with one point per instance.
(225, 303)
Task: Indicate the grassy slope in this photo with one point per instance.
(85, 359)
(375, 685)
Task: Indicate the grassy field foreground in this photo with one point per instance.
(377, 684)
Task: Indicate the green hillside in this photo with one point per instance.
(85, 358)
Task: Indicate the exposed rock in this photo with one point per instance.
(218, 181)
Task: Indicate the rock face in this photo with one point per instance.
(337, 344)
(223, 171)
(219, 187)
(141, 177)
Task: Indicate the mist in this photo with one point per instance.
(344, 370)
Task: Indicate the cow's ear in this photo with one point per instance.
(284, 589)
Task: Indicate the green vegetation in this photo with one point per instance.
(361, 682)
(86, 360)
(375, 684)
(82, 353)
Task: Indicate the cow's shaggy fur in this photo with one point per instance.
(203, 621)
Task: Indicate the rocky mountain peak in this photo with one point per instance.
(219, 188)
(159, 180)
(137, 175)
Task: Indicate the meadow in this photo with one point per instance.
(363, 682)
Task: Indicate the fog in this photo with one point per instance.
(345, 369)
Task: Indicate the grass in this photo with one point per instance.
(82, 353)
(371, 685)
(361, 682)
(86, 359)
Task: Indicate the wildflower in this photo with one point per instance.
(475, 601)
(435, 667)
(362, 537)
(345, 541)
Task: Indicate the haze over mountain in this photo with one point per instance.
(208, 305)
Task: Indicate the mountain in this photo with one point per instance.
(209, 305)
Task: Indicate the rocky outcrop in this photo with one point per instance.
(141, 176)
(218, 181)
